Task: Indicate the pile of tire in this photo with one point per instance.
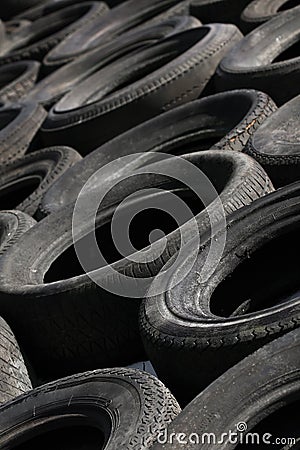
(149, 224)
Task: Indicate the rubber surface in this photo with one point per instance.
(225, 120)
(276, 144)
(19, 125)
(17, 79)
(53, 87)
(126, 16)
(265, 59)
(24, 181)
(260, 11)
(262, 391)
(199, 329)
(35, 41)
(112, 101)
(74, 330)
(120, 404)
(10, 8)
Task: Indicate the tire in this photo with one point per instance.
(74, 330)
(262, 391)
(168, 75)
(276, 145)
(122, 18)
(25, 181)
(49, 90)
(260, 11)
(17, 79)
(200, 124)
(10, 8)
(252, 62)
(14, 378)
(188, 327)
(13, 224)
(46, 8)
(218, 10)
(19, 125)
(45, 33)
(124, 408)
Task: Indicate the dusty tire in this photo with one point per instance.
(75, 330)
(14, 378)
(19, 125)
(265, 59)
(45, 33)
(190, 327)
(24, 181)
(258, 395)
(17, 79)
(122, 18)
(276, 145)
(13, 224)
(260, 11)
(49, 90)
(225, 120)
(168, 75)
(127, 409)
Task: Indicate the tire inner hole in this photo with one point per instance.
(281, 424)
(291, 52)
(15, 192)
(268, 277)
(289, 5)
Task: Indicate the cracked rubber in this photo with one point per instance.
(225, 120)
(253, 63)
(126, 93)
(24, 181)
(129, 407)
(197, 330)
(17, 79)
(260, 11)
(47, 32)
(75, 315)
(256, 392)
(276, 144)
(49, 90)
(19, 125)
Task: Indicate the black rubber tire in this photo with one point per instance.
(13, 224)
(218, 10)
(14, 378)
(57, 57)
(249, 393)
(53, 87)
(17, 79)
(74, 330)
(35, 41)
(24, 181)
(250, 62)
(168, 75)
(226, 120)
(260, 11)
(276, 145)
(127, 407)
(192, 337)
(120, 19)
(10, 8)
(46, 8)
(19, 125)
